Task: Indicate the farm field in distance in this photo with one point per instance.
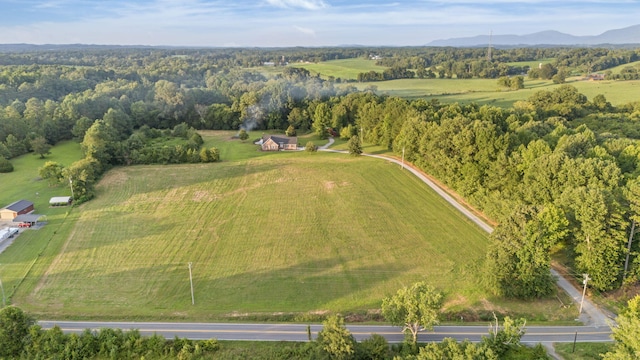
(269, 234)
(487, 91)
(464, 91)
(344, 68)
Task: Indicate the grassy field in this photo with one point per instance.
(344, 69)
(267, 233)
(583, 351)
(486, 91)
(532, 63)
(26, 175)
(618, 69)
(33, 246)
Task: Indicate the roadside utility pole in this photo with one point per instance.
(584, 290)
(4, 301)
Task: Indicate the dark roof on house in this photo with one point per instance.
(30, 218)
(282, 139)
(19, 205)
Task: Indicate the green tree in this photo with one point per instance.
(80, 128)
(52, 172)
(40, 146)
(374, 348)
(501, 338)
(291, 131)
(99, 142)
(14, 328)
(322, 119)
(415, 308)
(354, 146)
(335, 339)
(516, 83)
(627, 333)
(243, 135)
(16, 147)
(120, 122)
(518, 261)
(4, 151)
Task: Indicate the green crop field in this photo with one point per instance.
(267, 233)
(344, 69)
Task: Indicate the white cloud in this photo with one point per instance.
(304, 4)
(306, 31)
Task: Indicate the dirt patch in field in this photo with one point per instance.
(202, 196)
(329, 185)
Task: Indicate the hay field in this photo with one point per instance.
(487, 91)
(347, 69)
(291, 232)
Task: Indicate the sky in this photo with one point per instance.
(285, 23)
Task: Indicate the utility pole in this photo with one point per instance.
(584, 290)
(71, 186)
(4, 301)
(193, 301)
(626, 262)
(403, 158)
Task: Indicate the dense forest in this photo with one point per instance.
(556, 170)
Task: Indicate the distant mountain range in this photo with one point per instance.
(628, 35)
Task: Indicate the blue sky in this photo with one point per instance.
(299, 22)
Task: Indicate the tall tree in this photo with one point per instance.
(627, 333)
(14, 328)
(518, 261)
(40, 146)
(415, 308)
(322, 119)
(335, 339)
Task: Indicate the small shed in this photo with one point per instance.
(60, 201)
(20, 207)
(27, 220)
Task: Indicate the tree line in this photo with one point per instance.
(556, 163)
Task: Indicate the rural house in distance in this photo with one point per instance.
(278, 142)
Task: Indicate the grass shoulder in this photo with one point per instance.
(583, 350)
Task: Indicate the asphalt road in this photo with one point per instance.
(298, 332)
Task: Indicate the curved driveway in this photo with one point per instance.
(591, 315)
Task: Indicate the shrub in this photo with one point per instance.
(310, 147)
(5, 165)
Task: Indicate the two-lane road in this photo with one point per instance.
(298, 332)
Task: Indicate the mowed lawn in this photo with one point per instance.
(289, 232)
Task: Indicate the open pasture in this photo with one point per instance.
(291, 232)
(25, 183)
(347, 69)
(487, 91)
